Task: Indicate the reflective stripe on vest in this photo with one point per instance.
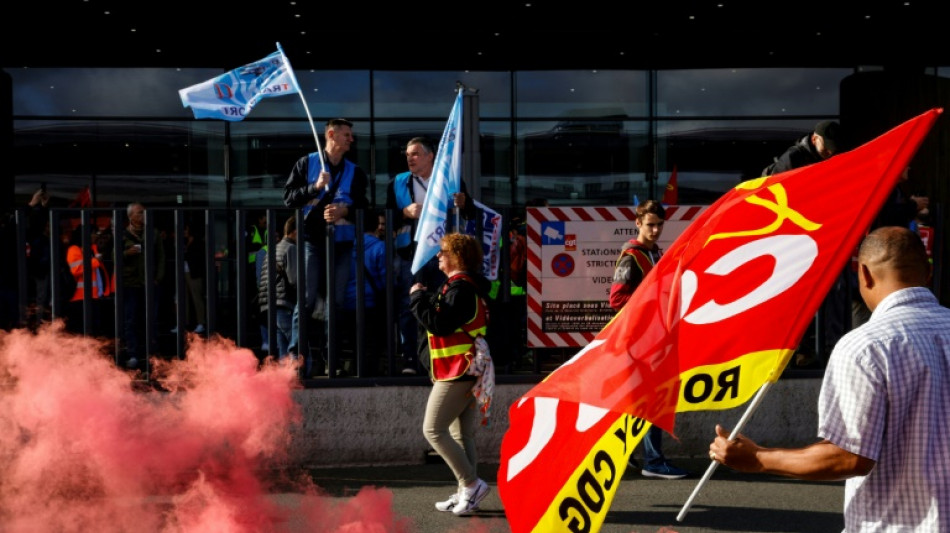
(451, 355)
(641, 256)
(75, 268)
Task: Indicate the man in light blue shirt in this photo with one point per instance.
(884, 407)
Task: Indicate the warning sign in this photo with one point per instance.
(571, 257)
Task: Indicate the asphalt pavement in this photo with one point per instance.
(728, 502)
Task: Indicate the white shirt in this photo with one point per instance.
(886, 396)
(420, 186)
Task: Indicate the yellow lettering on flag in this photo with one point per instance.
(729, 384)
(582, 504)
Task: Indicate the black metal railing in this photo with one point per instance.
(226, 272)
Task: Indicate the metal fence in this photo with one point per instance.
(228, 301)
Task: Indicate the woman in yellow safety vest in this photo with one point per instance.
(454, 316)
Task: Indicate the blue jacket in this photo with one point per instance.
(374, 275)
(399, 194)
(350, 184)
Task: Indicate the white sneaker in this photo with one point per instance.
(447, 505)
(470, 498)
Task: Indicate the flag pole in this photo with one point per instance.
(293, 77)
(460, 87)
(735, 431)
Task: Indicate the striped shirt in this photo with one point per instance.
(886, 396)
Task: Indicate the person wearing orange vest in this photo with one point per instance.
(453, 317)
(637, 257)
(100, 281)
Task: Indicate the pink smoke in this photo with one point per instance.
(82, 450)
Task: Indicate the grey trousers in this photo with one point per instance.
(450, 422)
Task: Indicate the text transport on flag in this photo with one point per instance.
(718, 317)
(234, 94)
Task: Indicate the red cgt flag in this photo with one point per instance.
(718, 317)
(671, 194)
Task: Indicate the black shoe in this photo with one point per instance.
(632, 463)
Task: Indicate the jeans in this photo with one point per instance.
(652, 447)
(285, 318)
(312, 268)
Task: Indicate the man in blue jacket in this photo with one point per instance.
(404, 197)
(330, 198)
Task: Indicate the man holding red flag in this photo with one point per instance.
(710, 326)
(883, 401)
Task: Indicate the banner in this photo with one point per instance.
(719, 316)
(491, 223)
(446, 181)
(232, 95)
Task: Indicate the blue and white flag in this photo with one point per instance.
(446, 181)
(232, 95)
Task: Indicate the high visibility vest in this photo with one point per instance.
(641, 256)
(452, 354)
(99, 286)
(341, 186)
(402, 188)
(256, 238)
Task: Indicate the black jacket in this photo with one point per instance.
(798, 155)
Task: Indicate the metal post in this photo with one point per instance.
(471, 143)
(240, 285)
(181, 300)
(151, 304)
(272, 274)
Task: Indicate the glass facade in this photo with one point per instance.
(572, 137)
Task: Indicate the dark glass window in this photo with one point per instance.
(748, 92)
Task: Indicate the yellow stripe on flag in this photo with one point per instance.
(583, 502)
(730, 384)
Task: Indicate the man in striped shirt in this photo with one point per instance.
(884, 407)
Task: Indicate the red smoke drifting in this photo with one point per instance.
(81, 450)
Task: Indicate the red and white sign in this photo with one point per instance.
(571, 256)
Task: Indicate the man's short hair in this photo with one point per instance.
(337, 122)
(131, 206)
(425, 142)
(651, 206)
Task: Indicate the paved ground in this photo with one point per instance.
(729, 502)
